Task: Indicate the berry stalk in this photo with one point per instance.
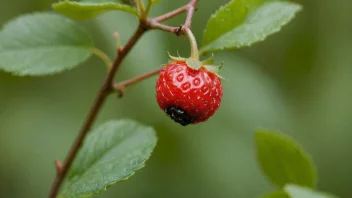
(193, 43)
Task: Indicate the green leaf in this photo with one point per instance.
(41, 44)
(228, 30)
(87, 10)
(252, 4)
(277, 194)
(111, 153)
(296, 191)
(283, 160)
(224, 20)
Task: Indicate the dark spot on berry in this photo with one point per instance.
(179, 115)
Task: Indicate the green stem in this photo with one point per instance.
(147, 10)
(117, 38)
(193, 43)
(141, 9)
(102, 56)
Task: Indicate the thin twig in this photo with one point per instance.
(171, 14)
(107, 88)
(120, 87)
(189, 8)
(190, 11)
(102, 56)
(156, 25)
(58, 165)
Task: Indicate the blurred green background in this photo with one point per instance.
(298, 81)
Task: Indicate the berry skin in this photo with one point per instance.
(188, 96)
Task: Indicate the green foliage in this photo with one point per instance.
(89, 9)
(252, 4)
(224, 20)
(283, 160)
(42, 44)
(277, 194)
(111, 153)
(233, 26)
(154, 1)
(296, 191)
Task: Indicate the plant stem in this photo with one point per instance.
(107, 88)
(171, 14)
(189, 8)
(58, 165)
(193, 43)
(102, 56)
(117, 38)
(147, 9)
(156, 25)
(141, 8)
(120, 87)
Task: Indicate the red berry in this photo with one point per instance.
(187, 95)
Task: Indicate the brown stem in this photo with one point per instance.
(107, 88)
(190, 7)
(58, 165)
(120, 87)
(156, 25)
(103, 93)
(171, 14)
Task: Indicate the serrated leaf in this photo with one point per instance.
(86, 10)
(41, 44)
(296, 191)
(283, 160)
(111, 153)
(258, 24)
(276, 194)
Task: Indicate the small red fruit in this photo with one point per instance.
(187, 95)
